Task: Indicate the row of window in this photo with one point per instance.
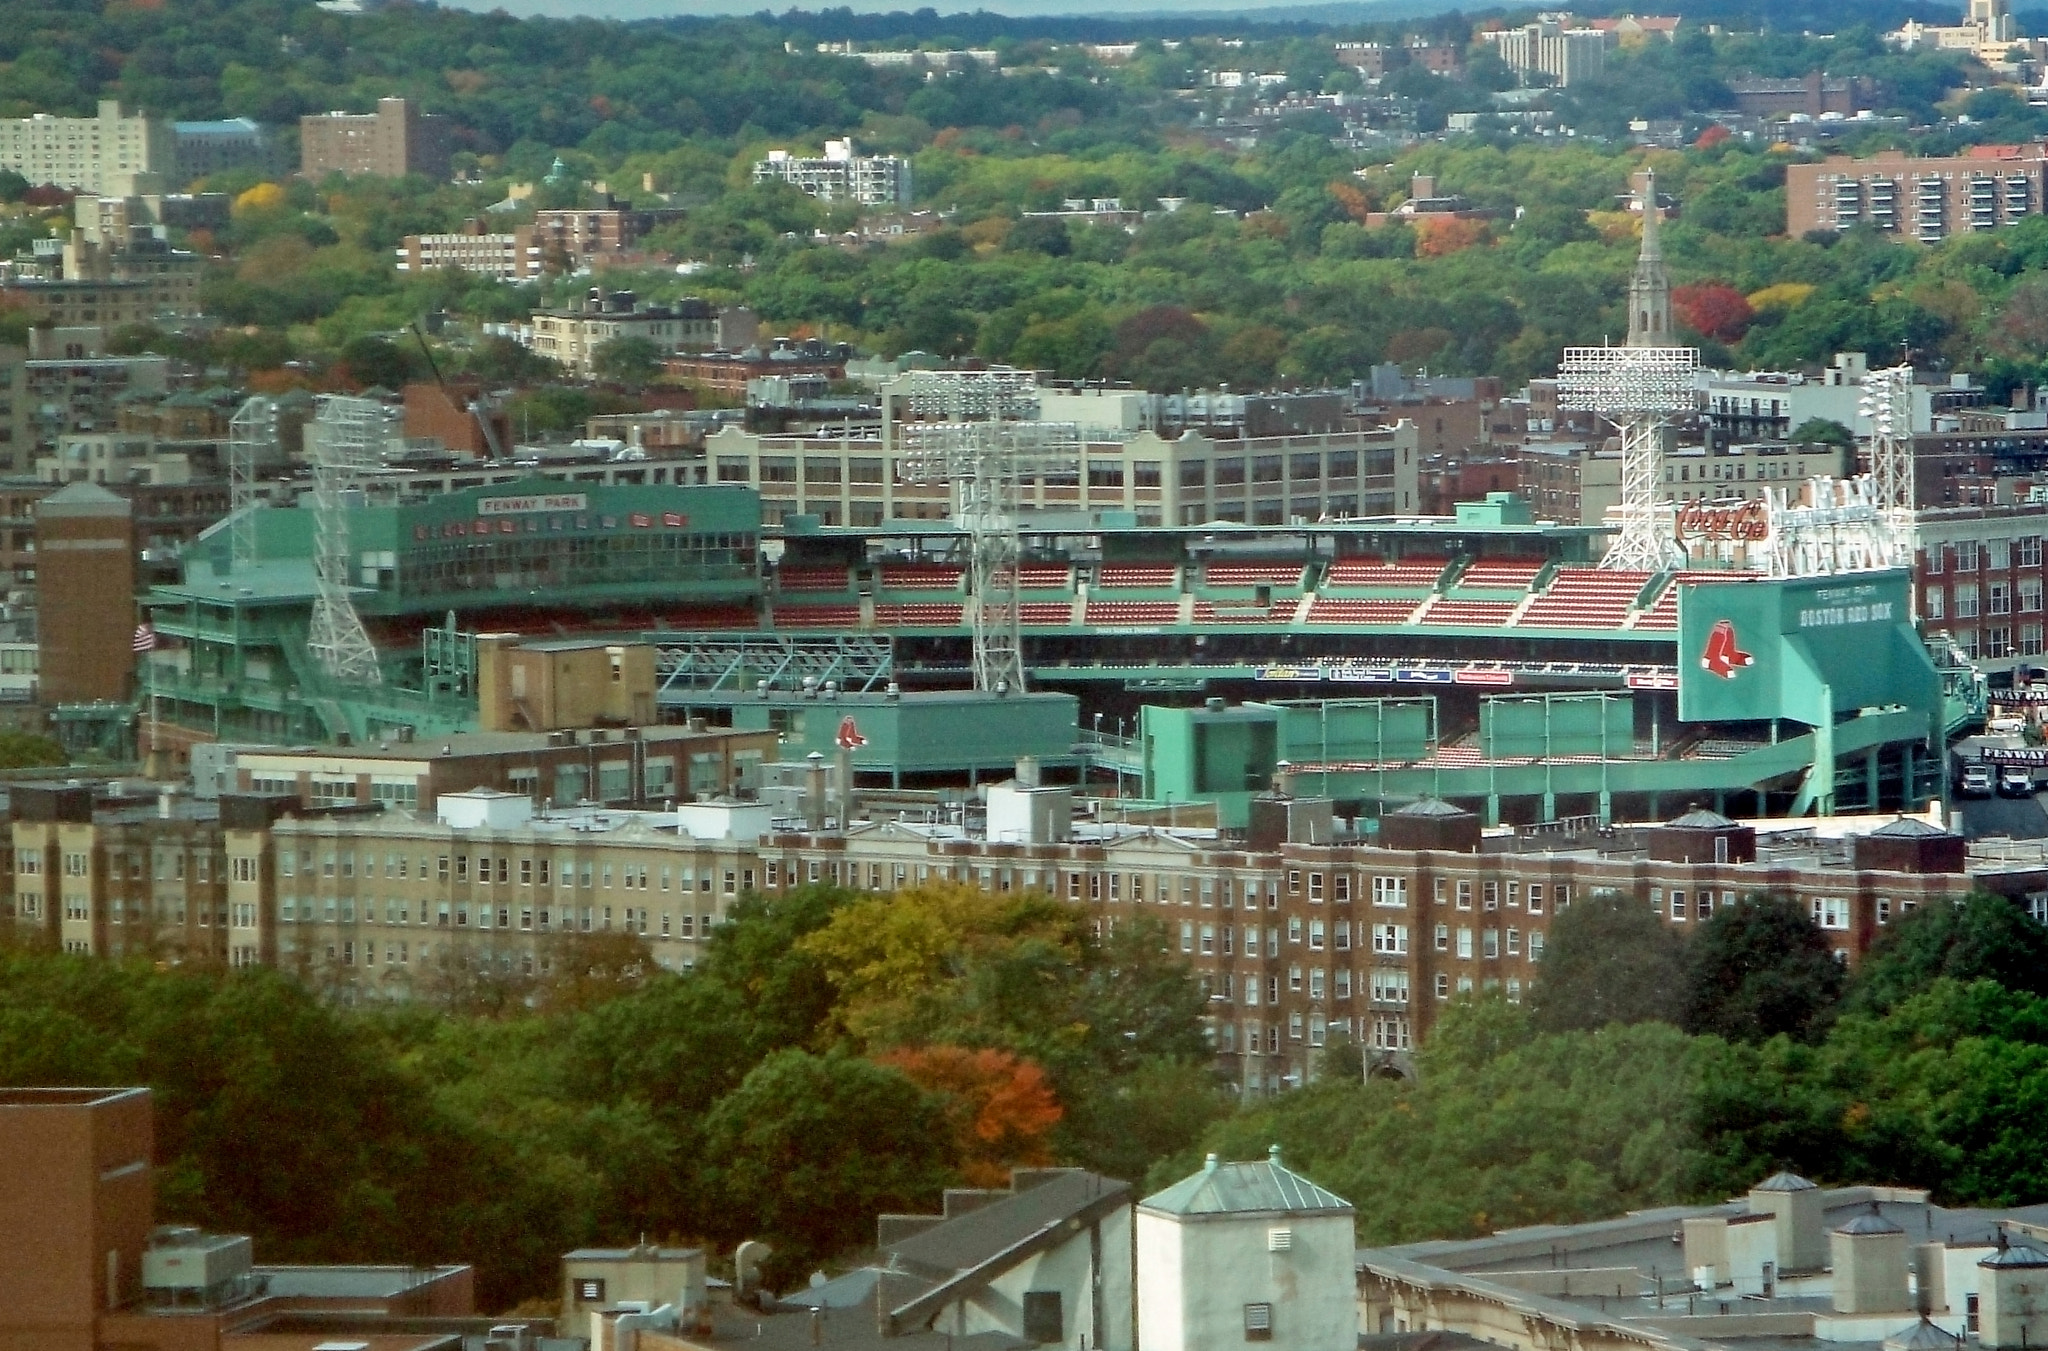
(1995, 554)
(460, 914)
(502, 869)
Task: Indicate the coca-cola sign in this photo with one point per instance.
(1724, 520)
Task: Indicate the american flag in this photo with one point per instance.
(145, 638)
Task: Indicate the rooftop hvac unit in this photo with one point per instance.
(192, 1262)
(1279, 1240)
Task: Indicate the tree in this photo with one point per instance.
(1713, 309)
(1820, 431)
(1985, 938)
(810, 1148)
(1001, 1107)
(626, 361)
(371, 360)
(1609, 960)
(1758, 969)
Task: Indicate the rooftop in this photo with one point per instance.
(1245, 1189)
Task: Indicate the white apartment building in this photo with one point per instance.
(841, 175)
(1549, 47)
(108, 153)
(511, 256)
(862, 480)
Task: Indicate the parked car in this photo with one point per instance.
(2015, 781)
(1976, 781)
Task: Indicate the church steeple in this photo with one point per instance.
(1649, 290)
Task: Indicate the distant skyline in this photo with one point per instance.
(663, 9)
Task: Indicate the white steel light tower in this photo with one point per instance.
(1887, 404)
(1639, 389)
(347, 439)
(252, 439)
(975, 436)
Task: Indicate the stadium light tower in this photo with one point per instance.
(1887, 404)
(1639, 388)
(252, 439)
(973, 431)
(348, 436)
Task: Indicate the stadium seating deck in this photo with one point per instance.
(1337, 610)
(1503, 574)
(918, 577)
(1663, 615)
(817, 616)
(1133, 612)
(1045, 577)
(1467, 613)
(1045, 613)
(1414, 572)
(814, 579)
(1136, 576)
(1584, 598)
(1251, 574)
(1208, 612)
(919, 614)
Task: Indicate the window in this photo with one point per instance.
(1464, 895)
(1443, 986)
(1294, 978)
(1390, 985)
(1536, 946)
(1966, 555)
(1492, 895)
(1294, 928)
(1315, 935)
(1315, 888)
(1343, 982)
(1390, 938)
(1884, 910)
(1831, 912)
(1390, 891)
(1678, 906)
(2027, 551)
(1936, 603)
(1315, 983)
(1443, 938)
(1966, 600)
(1465, 944)
(1936, 553)
(1343, 935)
(1490, 946)
(1535, 898)
(1258, 1322)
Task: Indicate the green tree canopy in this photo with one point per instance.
(1759, 968)
(630, 361)
(1609, 959)
(1985, 938)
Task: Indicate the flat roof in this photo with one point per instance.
(459, 744)
(350, 1282)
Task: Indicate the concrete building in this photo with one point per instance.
(1246, 1252)
(396, 140)
(596, 1279)
(1928, 199)
(1859, 1268)
(1578, 484)
(841, 175)
(204, 148)
(1553, 48)
(575, 236)
(85, 547)
(107, 153)
(573, 335)
(506, 255)
(1160, 477)
(1815, 95)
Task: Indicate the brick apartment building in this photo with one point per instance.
(85, 1267)
(1928, 199)
(396, 140)
(85, 583)
(1296, 943)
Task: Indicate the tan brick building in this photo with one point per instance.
(85, 579)
(396, 140)
(1928, 199)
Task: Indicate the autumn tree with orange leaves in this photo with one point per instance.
(1001, 1107)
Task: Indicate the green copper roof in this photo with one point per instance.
(1244, 1188)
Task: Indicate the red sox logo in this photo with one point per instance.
(1722, 657)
